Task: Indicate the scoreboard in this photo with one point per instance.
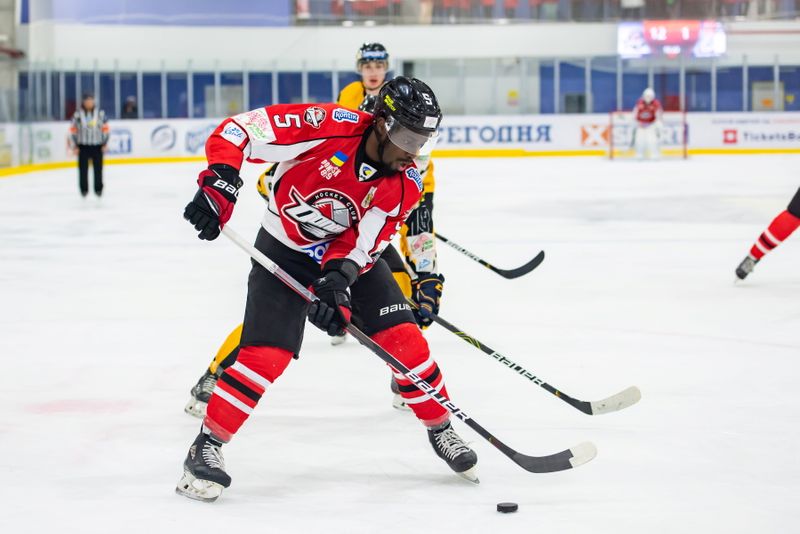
(671, 39)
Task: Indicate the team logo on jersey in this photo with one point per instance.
(413, 174)
(365, 172)
(368, 199)
(345, 115)
(322, 215)
(314, 116)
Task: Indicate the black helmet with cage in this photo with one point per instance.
(371, 52)
(411, 112)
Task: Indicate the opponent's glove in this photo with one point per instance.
(331, 313)
(426, 292)
(212, 205)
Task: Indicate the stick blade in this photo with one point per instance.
(520, 271)
(617, 402)
(560, 461)
(582, 453)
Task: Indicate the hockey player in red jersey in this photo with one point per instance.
(417, 272)
(345, 183)
(647, 116)
(778, 230)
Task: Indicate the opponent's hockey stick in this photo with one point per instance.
(620, 401)
(505, 273)
(566, 459)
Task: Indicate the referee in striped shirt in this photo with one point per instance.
(89, 132)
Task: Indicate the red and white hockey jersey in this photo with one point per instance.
(327, 200)
(646, 114)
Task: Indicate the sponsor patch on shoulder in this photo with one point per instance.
(257, 125)
(345, 115)
(413, 174)
(233, 134)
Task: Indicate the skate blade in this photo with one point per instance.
(196, 408)
(399, 404)
(470, 475)
(338, 340)
(197, 489)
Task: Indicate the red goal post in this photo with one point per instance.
(673, 135)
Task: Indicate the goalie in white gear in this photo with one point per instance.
(647, 116)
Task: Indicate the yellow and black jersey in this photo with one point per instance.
(264, 185)
(352, 95)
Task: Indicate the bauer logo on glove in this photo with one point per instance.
(212, 205)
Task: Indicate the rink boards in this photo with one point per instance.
(37, 146)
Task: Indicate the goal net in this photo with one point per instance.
(672, 136)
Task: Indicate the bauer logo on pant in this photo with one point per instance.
(386, 310)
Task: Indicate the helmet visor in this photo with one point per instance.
(410, 141)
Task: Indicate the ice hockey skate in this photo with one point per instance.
(746, 267)
(452, 449)
(204, 475)
(200, 394)
(398, 401)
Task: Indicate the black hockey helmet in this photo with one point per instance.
(412, 114)
(371, 52)
(368, 104)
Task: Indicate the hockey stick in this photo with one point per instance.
(505, 273)
(566, 459)
(620, 401)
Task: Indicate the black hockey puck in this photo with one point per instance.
(507, 507)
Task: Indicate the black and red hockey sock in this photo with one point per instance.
(406, 343)
(778, 230)
(240, 388)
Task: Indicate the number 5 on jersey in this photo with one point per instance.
(285, 121)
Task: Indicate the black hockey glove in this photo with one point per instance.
(426, 292)
(331, 313)
(212, 205)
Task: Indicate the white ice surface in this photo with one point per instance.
(109, 312)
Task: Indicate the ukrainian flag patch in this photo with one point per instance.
(339, 158)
